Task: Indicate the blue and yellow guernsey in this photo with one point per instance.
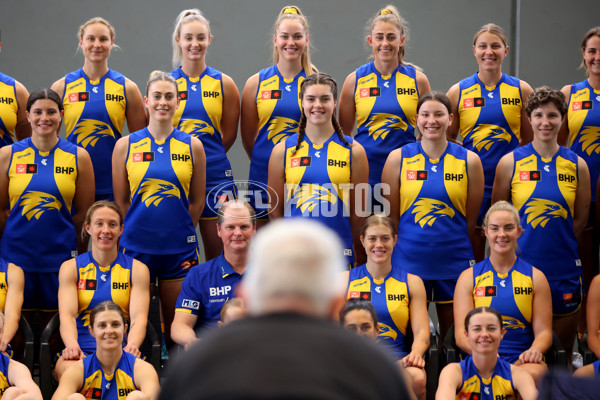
(391, 298)
(8, 109)
(433, 202)
(3, 283)
(278, 105)
(512, 295)
(317, 179)
(99, 385)
(96, 284)
(490, 121)
(543, 191)
(159, 173)
(584, 127)
(498, 387)
(386, 108)
(39, 234)
(95, 113)
(4, 382)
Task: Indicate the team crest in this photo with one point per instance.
(380, 124)
(510, 323)
(196, 127)
(427, 211)
(36, 203)
(89, 131)
(386, 333)
(539, 212)
(589, 138)
(485, 135)
(280, 128)
(153, 191)
(308, 196)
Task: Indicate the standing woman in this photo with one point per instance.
(489, 114)
(435, 188)
(318, 172)
(550, 187)
(159, 178)
(382, 95)
(271, 102)
(579, 132)
(97, 101)
(209, 109)
(48, 186)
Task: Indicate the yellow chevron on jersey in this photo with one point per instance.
(137, 174)
(88, 132)
(539, 211)
(525, 187)
(523, 299)
(196, 127)
(74, 108)
(117, 106)
(293, 173)
(124, 381)
(92, 384)
(8, 108)
(280, 128)
(65, 175)
(342, 156)
(36, 203)
(577, 115)
(410, 187)
(3, 288)
(380, 124)
(485, 135)
(397, 303)
(17, 186)
(427, 211)
(409, 97)
(310, 195)
(567, 181)
(364, 104)
(182, 163)
(457, 189)
(154, 190)
(514, 109)
(358, 285)
(265, 104)
(213, 105)
(480, 283)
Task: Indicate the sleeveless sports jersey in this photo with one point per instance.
(158, 220)
(95, 113)
(386, 107)
(199, 114)
(490, 120)
(474, 387)
(512, 295)
(4, 382)
(98, 385)
(584, 127)
(39, 234)
(317, 182)
(8, 109)
(543, 191)
(597, 368)
(391, 298)
(95, 285)
(432, 231)
(3, 283)
(278, 105)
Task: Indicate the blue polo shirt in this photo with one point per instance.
(205, 289)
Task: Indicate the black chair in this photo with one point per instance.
(51, 344)
(582, 344)
(22, 344)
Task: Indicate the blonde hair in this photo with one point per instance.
(160, 76)
(98, 20)
(293, 12)
(192, 14)
(502, 205)
(494, 30)
(375, 220)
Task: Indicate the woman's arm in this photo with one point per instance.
(23, 128)
(582, 197)
(347, 106)
(453, 130)
(15, 281)
(419, 321)
(67, 309)
(231, 112)
(5, 154)
(541, 320)
(276, 181)
(121, 189)
(360, 184)
(198, 182)
(463, 303)
(564, 134)
(139, 303)
(502, 182)
(135, 112)
(449, 382)
(526, 130)
(70, 382)
(84, 194)
(523, 383)
(249, 115)
(593, 316)
(390, 178)
(20, 378)
(475, 189)
(146, 379)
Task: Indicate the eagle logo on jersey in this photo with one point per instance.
(380, 124)
(428, 210)
(590, 140)
(85, 318)
(511, 323)
(153, 191)
(280, 128)
(36, 203)
(485, 135)
(539, 211)
(386, 332)
(308, 196)
(89, 131)
(196, 127)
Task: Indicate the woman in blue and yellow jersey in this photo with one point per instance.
(581, 133)
(319, 173)
(97, 101)
(489, 114)
(271, 103)
(435, 188)
(382, 95)
(399, 299)
(48, 185)
(209, 109)
(483, 375)
(549, 185)
(159, 183)
(518, 291)
(96, 276)
(110, 373)
(13, 115)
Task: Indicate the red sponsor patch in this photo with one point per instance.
(411, 175)
(468, 103)
(363, 92)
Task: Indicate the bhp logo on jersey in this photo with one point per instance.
(270, 94)
(474, 102)
(120, 285)
(180, 157)
(26, 169)
(540, 211)
(485, 291)
(195, 127)
(79, 96)
(147, 156)
(582, 105)
(114, 97)
(566, 178)
(412, 175)
(36, 203)
(6, 100)
(511, 101)
(523, 290)
(153, 191)
(64, 170)
(336, 163)
(525, 176)
(214, 95)
(406, 91)
(369, 92)
(300, 162)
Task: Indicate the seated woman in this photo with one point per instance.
(398, 298)
(110, 371)
(518, 291)
(483, 375)
(12, 282)
(593, 329)
(99, 275)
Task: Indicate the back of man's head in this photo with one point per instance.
(294, 266)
